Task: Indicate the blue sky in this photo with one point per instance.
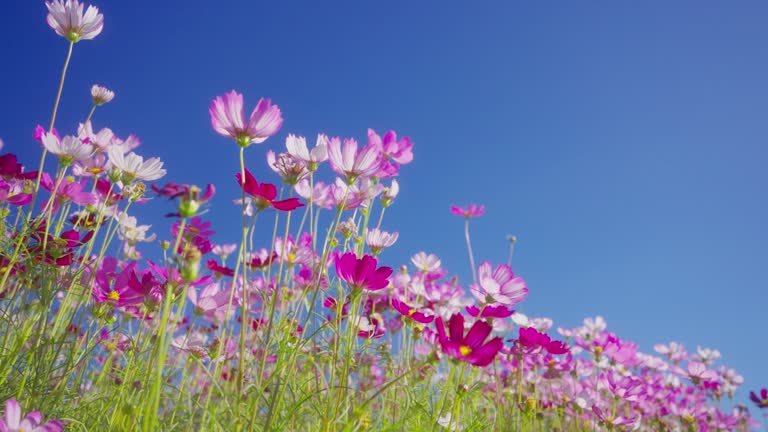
(624, 143)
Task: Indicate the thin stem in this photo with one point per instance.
(469, 249)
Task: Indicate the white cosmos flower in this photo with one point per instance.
(68, 149)
(67, 19)
(297, 147)
(133, 166)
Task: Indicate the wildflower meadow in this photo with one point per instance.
(302, 321)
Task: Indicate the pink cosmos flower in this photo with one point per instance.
(498, 286)
(67, 20)
(361, 273)
(611, 421)
(319, 196)
(490, 311)
(228, 119)
(696, 372)
(424, 316)
(471, 348)
(264, 194)
(30, 423)
(211, 302)
(189, 195)
(69, 190)
(13, 193)
(531, 339)
(469, 212)
(394, 152)
(351, 163)
(219, 270)
(120, 289)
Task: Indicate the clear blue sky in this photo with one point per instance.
(623, 142)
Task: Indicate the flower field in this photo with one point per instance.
(106, 326)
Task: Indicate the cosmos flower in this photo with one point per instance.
(133, 167)
(66, 18)
(424, 316)
(498, 286)
(377, 239)
(297, 147)
(532, 339)
(101, 95)
(471, 211)
(762, 400)
(361, 273)
(351, 162)
(68, 149)
(264, 194)
(30, 423)
(471, 348)
(228, 119)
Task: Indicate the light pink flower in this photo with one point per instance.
(30, 423)
(101, 95)
(69, 149)
(290, 168)
(498, 286)
(378, 239)
(319, 196)
(133, 166)
(351, 163)
(427, 263)
(66, 18)
(297, 146)
(228, 119)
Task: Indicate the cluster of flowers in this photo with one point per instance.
(592, 377)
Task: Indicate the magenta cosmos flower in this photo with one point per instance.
(532, 339)
(264, 194)
(68, 20)
(361, 273)
(498, 286)
(762, 400)
(228, 119)
(471, 348)
(471, 211)
(30, 423)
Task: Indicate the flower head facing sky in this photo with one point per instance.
(472, 347)
(361, 273)
(471, 211)
(499, 285)
(67, 19)
(264, 194)
(228, 119)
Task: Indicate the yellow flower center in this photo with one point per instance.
(598, 350)
(465, 350)
(413, 311)
(291, 257)
(95, 170)
(114, 296)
